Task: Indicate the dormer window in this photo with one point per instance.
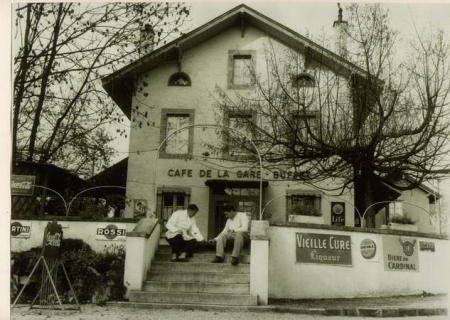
(303, 80)
(179, 79)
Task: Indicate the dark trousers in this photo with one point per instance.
(179, 245)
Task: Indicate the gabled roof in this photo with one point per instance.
(119, 85)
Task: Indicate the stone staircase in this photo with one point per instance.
(198, 281)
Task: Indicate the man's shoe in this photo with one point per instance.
(182, 257)
(217, 259)
(174, 257)
(234, 261)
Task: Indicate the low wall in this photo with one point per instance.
(308, 261)
(28, 233)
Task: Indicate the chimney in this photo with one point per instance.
(146, 41)
(340, 34)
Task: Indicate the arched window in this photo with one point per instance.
(303, 80)
(180, 79)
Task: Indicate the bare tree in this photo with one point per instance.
(62, 50)
(379, 124)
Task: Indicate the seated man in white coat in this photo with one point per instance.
(235, 232)
(183, 233)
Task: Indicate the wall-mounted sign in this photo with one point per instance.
(140, 207)
(22, 185)
(400, 254)
(323, 249)
(21, 229)
(114, 232)
(338, 213)
(427, 246)
(51, 244)
(368, 249)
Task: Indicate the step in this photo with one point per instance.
(202, 257)
(164, 266)
(196, 287)
(209, 249)
(203, 277)
(193, 298)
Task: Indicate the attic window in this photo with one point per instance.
(303, 80)
(179, 79)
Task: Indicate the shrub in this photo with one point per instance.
(88, 271)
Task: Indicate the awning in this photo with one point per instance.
(214, 183)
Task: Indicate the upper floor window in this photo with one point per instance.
(241, 132)
(180, 79)
(241, 65)
(302, 126)
(180, 141)
(303, 80)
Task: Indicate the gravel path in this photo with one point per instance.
(94, 312)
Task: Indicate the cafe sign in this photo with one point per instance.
(329, 249)
(22, 185)
(401, 254)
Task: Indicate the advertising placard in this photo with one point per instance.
(427, 246)
(111, 231)
(21, 229)
(51, 244)
(338, 213)
(328, 249)
(22, 185)
(139, 208)
(400, 254)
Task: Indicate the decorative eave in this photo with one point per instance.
(119, 85)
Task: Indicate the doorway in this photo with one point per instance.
(247, 203)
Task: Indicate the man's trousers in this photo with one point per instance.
(237, 239)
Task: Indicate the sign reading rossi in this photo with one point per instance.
(323, 249)
(400, 254)
(22, 185)
(112, 232)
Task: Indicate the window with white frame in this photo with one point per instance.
(240, 69)
(179, 141)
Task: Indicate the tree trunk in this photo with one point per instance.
(365, 197)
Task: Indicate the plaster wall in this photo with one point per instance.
(207, 66)
(365, 278)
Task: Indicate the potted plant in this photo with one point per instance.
(402, 222)
(306, 214)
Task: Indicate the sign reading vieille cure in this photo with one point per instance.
(401, 254)
(323, 249)
(22, 185)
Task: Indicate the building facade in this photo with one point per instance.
(179, 153)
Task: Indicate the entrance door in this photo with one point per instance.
(217, 216)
